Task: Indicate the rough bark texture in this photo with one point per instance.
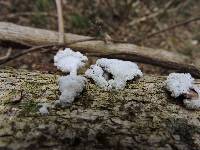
(143, 116)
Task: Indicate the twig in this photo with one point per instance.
(60, 21)
(7, 54)
(169, 28)
(37, 48)
(26, 51)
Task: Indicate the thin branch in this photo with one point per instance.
(60, 21)
(169, 28)
(38, 48)
(194, 71)
(8, 53)
(121, 55)
(24, 52)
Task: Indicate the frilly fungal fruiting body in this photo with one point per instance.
(71, 85)
(97, 74)
(179, 83)
(121, 72)
(182, 84)
(69, 61)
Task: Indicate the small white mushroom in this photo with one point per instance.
(97, 74)
(179, 83)
(182, 84)
(69, 61)
(121, 72)
(72, 85)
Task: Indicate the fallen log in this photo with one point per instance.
(34, 37)
(142, 116)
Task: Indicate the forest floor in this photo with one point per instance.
(129, 20)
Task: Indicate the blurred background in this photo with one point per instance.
(127, 20)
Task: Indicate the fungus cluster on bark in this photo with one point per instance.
(107, 73)
(70, 85)
(113, 74)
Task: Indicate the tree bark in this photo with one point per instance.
(142, 116)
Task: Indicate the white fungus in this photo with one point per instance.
(97, 74)
(194, 102)
(179, 83)
(44, 108)
(183, 84)
(70, 87)
(121, 72)
(69, 61)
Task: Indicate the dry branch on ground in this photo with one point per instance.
(33, 36)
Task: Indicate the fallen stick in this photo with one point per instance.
(157, 62)
(34, 37)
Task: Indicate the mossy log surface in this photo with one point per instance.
(143, 116)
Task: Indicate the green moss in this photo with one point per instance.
(28, 107)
